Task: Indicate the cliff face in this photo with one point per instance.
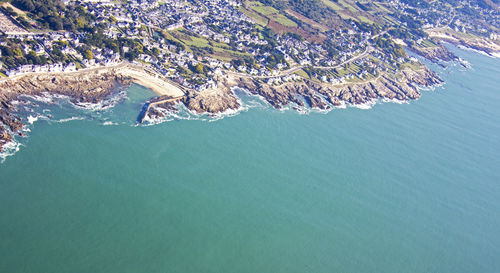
(92, 87)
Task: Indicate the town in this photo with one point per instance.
(195, 43)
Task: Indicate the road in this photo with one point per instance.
(297, 68)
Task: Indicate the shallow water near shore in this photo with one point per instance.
(397, 188)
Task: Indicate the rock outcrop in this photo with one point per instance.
(94, 87)
(89, 87)
(404, 87)
(211, 101)
(435, 54)
(305, 93)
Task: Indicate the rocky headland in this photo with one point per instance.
(403, 86)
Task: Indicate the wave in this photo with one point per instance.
(343, 105)
(491, 55)
(103, 104)
(365, 106)
(32, 119)
(32, 111)
(109, 123)
(43, 98)
(9, 149)
(183, 113)
(387, 100)
(64, 120)
(228, 113)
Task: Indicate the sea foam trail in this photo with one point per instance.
(64, 120)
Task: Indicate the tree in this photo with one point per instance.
(156, 51)
(55, 23)
(24, 4)
(18, 52)
(88, 54)
(199, 68)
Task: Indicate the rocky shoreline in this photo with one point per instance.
(321, 96)
(435, 54)
(488, 46)
(81, 88)
(96, 86)
(305, 93)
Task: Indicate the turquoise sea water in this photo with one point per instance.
(398, 188)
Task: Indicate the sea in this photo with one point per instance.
(412, 187)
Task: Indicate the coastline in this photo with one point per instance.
(403, 86)
(96, 84)
(91, 85)
(484, 45)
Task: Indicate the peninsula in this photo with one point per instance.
(319, 53)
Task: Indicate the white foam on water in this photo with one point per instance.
(43, 98)
(167, 116)
(364, 106)
(9, 149)
(250, 94)
(109, 123)
(103, 104)
(465, 63)
(342, 105)
(228, 113)
(64, 120)
(492, 55)
(32, 119)
(387, 100)
(183, 113)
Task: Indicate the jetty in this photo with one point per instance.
(153, 102)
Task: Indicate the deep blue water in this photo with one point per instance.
(398, 188)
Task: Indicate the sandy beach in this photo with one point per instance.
(136, 73)
(154, 82)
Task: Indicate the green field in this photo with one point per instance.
(282, 19)
(221, 51)
(259, 12)
(260, 20)
(364, 19)
(302, 73)
(264, 10)
(332, 5)
(348, 6)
